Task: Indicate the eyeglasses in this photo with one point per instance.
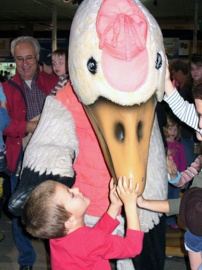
(28, 59)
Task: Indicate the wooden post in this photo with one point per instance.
(194, 50)
(54, 29)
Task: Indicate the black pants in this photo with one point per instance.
(153, 254)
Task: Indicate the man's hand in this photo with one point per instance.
(31, 126)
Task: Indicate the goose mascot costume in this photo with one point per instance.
(117, 67)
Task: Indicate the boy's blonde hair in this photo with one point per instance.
(42, 216)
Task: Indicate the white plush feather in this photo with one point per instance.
(54, 143)
(156, 183)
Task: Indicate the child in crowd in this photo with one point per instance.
(175, 150)
(191, 214)
(193, 117)
(189, 207)
(4, 122)
(60, 68)
(56, 212)
(195, 62)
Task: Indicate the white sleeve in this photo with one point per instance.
(184, 110)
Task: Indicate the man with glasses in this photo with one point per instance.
(25, 94)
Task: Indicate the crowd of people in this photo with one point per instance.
(21, 103)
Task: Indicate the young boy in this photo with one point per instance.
(60, 68)
(56, 212)
(4, 122)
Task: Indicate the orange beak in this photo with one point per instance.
(124, 135)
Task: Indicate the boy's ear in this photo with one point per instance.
(70, 223)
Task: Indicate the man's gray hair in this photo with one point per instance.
(25, 39)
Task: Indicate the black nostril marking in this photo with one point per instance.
(119, 132)
(139, 131)
(92, 66)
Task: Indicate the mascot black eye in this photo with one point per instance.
(158, 61)
(92, 65)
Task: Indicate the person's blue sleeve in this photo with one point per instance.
(2, 96)
(4, 119)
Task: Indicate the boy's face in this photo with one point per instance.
(59, 64)
(198, 103)
(73, 200)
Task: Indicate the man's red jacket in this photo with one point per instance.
(17, 109)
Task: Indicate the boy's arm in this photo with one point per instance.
(108, 221)
(129, 195)
(115, 202)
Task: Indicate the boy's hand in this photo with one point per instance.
(114, 198)
(116, 203)
(126, 192)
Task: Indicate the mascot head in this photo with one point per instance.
(117, 68)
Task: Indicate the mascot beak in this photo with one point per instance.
(124, 135)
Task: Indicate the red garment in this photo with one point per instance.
(92, 175)
(16, 106)
(91, 248)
